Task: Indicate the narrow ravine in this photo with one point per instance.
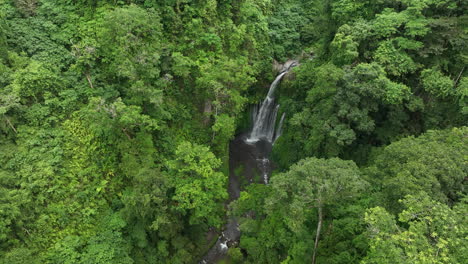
(249, 161)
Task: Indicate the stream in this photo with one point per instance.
(249, 161)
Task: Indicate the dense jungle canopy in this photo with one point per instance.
(116, 119)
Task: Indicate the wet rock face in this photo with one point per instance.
(282, 67)
(229, 238)
(249, 157)
(263, 148)
(246, 164)
(289, 64)
(249, 161)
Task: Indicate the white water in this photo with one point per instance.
(279, 129)
(223, 246)
(264, 165)
(264, 118)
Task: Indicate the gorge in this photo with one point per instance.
(249, 159)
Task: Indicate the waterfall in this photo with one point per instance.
(279, 129)
(251, 153)
(264, 116)
(264, 165)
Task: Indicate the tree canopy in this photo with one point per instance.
(116, 119)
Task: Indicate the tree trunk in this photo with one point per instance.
(88, 77)
(458, 78)
(207, 110)
(11, 125)
(319, 227)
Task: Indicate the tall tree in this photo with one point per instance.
(434, 163)
(310, 186)
(429, 232)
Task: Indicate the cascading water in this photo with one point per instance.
(249, 151)
(264, 165)
(279, 130)
(264, 116)
(264, 123)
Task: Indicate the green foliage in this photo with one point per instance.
(286, 26)
(392, 78)
(42, 39)
(139, 27)
(434, 233)
(436, 83)
(309, 184)
(116, 119)
(462, 94)
(344, 47)
(433, 163)
(342, 105)
(395, 61)
(105, 246)
(198, 187)
(35, 82)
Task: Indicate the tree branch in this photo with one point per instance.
(11, 125)
(458, 78)
(319, 227)
(88, 77)
(125, 132)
